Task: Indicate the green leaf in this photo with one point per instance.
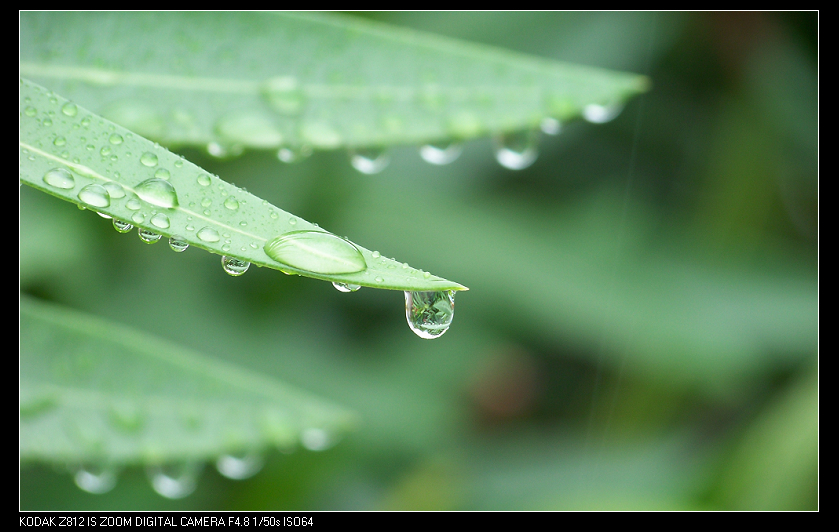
(94, 391)
(266, 80)
(77, 156)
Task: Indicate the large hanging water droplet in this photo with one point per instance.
(369, 160)
(346, 287)
(178, 244)
(160, 221)
(60, 178)
(174, 481)
(208, 234)
(429, 314)
(158, 192)
(147, 236)
(240, 466)
(148, 159)
(234, 266)
(516, 151)
(600, 114)
(122, 227)
(96, 479)
(316, 251)
(95, 196)
(315, 439)
(441, 154)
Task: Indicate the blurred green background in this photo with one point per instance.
(641, 330)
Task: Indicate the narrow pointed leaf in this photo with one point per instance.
(265, 80)
(77, 156)
(95, 391)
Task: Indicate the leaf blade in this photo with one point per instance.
(233, 222)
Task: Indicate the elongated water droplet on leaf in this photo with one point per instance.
(316, 252)
(429, 314)
(158, 192)
(60, 178)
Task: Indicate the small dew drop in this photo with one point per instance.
(133, 204)
(600, 114)
(147, 236)
(315, 251)
(231, 203)
(59, 141)
(440, 154)
(234, 266)
(46, 122)
(138, 217)
(115, 139)
(206, 202)
(30, 111)
(376, 254)
(178, 243)
(122, 227)
(516, 151)
(60, 178)
(550, 126)
(346, 287)
(174, 481)
(148, 159)
(95, 196)
(379, 280)
(240, 466)
(160, 221)
(96, 479)
(70, 109)
(162, 173)
(429, 314)
(204, 180)
(207, 234)
(369, 160)
(292, 155)
(158, 192)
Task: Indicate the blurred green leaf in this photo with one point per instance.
(266, 80)
(93, 391)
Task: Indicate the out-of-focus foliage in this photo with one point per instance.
(662, 354)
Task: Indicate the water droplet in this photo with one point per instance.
(30, 111)
(550, 126)
(346, 287)
(95, 196)
(316, 251)
(208, 235)
(122, 227)
(103, 215)
(219, 150)
(162, 173)
(177, 243)
(115, 139)
(60, 178)
(240, 466)
(369, 160)
(289, 154)
(115, 191)
(231, 203)
(321, 135)
(174, 481)
(376, 254)
(283, 94)
(148, 159)
(516, 151)
(46, 122)
(316, 439)
(204, 180)
(133, 204)
(158, 192)
(234, 266)
(600, 114)
(429, 314)
(441, 153)
(147, 236)
(96, 479)
(206, 202)
(60, 141)
(138, 217)
(160, 221)
(70, 109)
